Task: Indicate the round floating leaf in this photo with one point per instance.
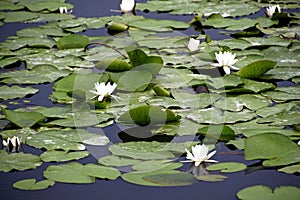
(31, 184)
(278, 149)
(290, 169)
(77, 173)
(145, 115)
(134, 81)
(73, 41)
(265, 193)
(18, 161)
(102, 172)
(256, 69)
(211, 178)
(165, 179)
(23, 119)
(117, 161)
(222, 133)
(39, 74)
(68, 173)
(153, 165)
(114, 65)
(61, 156)
(139, 177)
(227, 167)
(15, 91)
(141, 150)
(20, 16)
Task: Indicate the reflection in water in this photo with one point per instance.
(199, 170)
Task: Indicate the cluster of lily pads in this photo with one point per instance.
(158, 85)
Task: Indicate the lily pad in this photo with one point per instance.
(145, 115)
(23, 119)
(178, 179)
(266, 193)
(77, 173)
(18, 161)
(15, 91)
(212, 178)
(73, 41)
(141, 150)
(256, 69)
(31, 184)
(134, 81)
(276, 148)
(117, 161)
(19, 16)
(153, 165)
(39, 74)
(159, 178)
(290, 169)
(227, 167)
(61, 156)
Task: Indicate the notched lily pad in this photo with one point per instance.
(32, 184)
(73, 41)
(227, 167)
(7, 92)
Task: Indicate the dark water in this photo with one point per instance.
(111, 190)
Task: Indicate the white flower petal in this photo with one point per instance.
(211, 154)
(226, 69)
(193, 44)
(127, 5)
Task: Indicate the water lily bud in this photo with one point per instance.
(113, 26)
(160, 91)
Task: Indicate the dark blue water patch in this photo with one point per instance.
(10, 29)
(285, 84)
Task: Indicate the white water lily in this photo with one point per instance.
(14, 142)
(226, 60)
(102, 90)
(193, 44)
(63, 10)
(272, 9)
(127, 5)
(199, 154)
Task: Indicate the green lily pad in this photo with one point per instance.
(145, 115)
(264, 192)
(117, 161)
(141, 150)
(73, 41)
(227, 167)
(256, 69)
(153, 165)
(31, 184)
(39, 74)
(47, 5)
(212, 178)
(276, 148)
(159, 178)
(158, 25)
(18, 161)
(65, 139)
(134, 81)
(61, 156)
(290, 169)
(222, 133)
(19, 16)
(23, 119)
(77, 173)
(165, 179)
(15, 91)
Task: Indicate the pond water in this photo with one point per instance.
(117, 189)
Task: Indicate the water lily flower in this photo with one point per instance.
(193, 44)
(226, 60)
(127, 5)
(199, 154)
(102, 90)
(272, 9)
(63, 10)
(14, 142)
